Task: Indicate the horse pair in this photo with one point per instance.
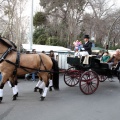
(12, 63)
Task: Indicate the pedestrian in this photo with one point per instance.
(52, 54)
(33, 74)
(43, 52)
(55, 75)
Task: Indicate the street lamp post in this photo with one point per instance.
(31, 26)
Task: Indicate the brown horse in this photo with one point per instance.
(12, 64)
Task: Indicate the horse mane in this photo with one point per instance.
(8, 43)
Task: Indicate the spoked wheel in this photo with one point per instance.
(89, 82)
(102, 78)
(71, 77)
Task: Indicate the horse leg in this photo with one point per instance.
(9, 83)
(3, 81)
(37, 85)
(1, 91)
(16, 86)
(41, 87)
(14, 89)
(50, 83)
(46, 88)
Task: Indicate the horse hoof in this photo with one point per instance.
(50, 88)
(17, 94)
(14, 97)
(40, 90)
(35, 89)
(1, 99)
(42, 98)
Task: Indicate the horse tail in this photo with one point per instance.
(55, 74)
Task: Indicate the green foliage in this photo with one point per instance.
(52, 41)
(43, 36)
(40, 36)
(39, 19)
(99, 45)
(114, 48)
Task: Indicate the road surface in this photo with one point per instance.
(66, 104)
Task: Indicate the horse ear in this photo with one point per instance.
(9, 43)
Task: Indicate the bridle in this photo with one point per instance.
(4, 55)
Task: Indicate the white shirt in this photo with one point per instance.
(86, 42)
(77, 54)
(83, 53)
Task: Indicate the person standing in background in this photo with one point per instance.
(52, 54)
(55, 75)
(33, 74)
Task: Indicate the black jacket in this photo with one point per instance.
(88, 47)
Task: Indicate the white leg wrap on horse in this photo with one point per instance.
(1, 92)
(14, 91)
(39, 82)
(50, 83)
(45, 92)
(42, 85)
(9, 83)
(16, 87)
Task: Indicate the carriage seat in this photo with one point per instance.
(97, 64)
(104, 65)
(87, 59)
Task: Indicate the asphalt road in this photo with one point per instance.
(66, 104)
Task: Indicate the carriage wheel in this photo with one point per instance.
(71, 77)
(102, 78)
(89, 82)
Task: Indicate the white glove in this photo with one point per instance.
(82, 48)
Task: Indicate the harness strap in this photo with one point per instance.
(25, 68)
(17, 63)
(41, 62)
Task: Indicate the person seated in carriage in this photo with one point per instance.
(77, 45)
(77, 54)
(100, 54)
(105, 57)
(85, 51)
(87, 45)
(114, 60)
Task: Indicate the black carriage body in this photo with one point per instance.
(87, 75)
(94, 64)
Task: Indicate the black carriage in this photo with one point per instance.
(87, 75)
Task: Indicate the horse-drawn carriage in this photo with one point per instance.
(88, 75)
